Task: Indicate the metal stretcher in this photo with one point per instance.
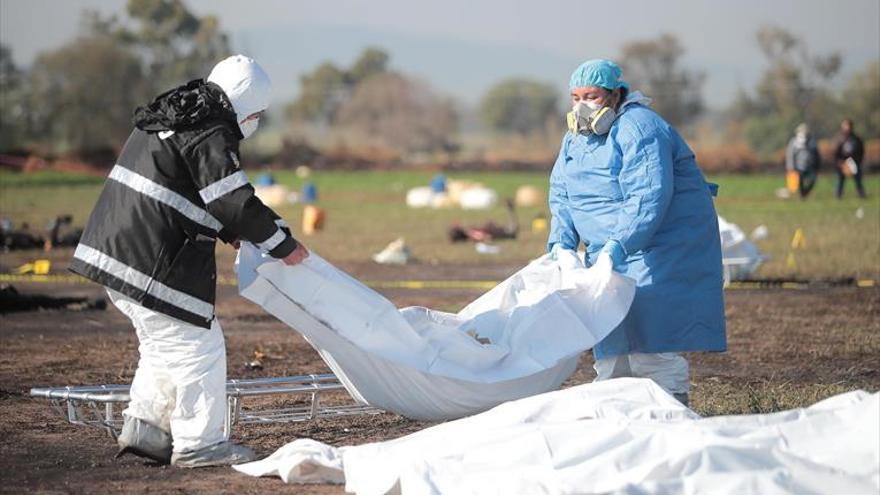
(730, 264)
(101, 406)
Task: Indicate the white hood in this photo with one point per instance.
(636, 97)
(245, 83)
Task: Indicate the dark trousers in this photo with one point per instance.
(857, 178)
(807, 182)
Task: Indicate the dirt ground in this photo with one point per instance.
(787, 348)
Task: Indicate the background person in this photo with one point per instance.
(178, 187)
(628, 186)
(802, 157)
(848, 154)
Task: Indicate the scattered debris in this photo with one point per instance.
(540, 224)
(256, 364)
(484, 248)
(489, 231)
(446, 194)
(529, 195)
(438, 183)
(12, 239)
(760, 233)
(62, 233)
(476, 336)
(419, 197)
(273, 196)
(303, 171)
(309, 193)
(313, 219)
(11, 300)
(38, 267)
(478, 198)
(395, 253)
(265, 179)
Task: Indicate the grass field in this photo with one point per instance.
(366, 210)
(786, 348)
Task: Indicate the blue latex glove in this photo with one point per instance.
(615, 251)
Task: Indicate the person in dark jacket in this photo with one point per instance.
(802, 156)
(176, 189)
(848, 154)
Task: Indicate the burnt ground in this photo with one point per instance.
(788, 348)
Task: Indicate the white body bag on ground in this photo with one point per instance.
(521, 338)
(624, 435)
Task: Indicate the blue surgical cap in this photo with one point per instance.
(598, 72)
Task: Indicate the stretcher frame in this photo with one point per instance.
(101, 406)
(729, 263)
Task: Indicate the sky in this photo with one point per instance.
(461, 48)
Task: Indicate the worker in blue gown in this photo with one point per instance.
(627, 185)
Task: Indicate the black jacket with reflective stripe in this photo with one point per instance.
(152, 233)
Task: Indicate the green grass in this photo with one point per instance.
(838, 243)
(766, 396)
(46, 178)
(366, 210)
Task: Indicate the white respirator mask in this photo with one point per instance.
(588, 117)
(246, 85)
(248, 127)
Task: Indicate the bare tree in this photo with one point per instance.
(400, 113)
(795, 87)
(653, 67)
(324, 89)
(519, 105)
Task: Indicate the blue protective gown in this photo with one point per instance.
(640, 185)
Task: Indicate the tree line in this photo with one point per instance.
(80, 98)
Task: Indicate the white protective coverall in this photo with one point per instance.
(667, 369)
(180, 382)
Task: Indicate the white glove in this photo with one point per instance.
(602, 272)
(554, 252)
(604, 263)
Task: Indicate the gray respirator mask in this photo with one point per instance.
(586, 120)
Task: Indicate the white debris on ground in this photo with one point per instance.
(741, 257)
(484, 248)
(273, 196)
(528, 196)
(478, 198)
(760, 233)
(618, 436)
(464, 194)
(395, 253)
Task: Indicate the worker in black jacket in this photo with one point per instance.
(176, 189)
(848, 154)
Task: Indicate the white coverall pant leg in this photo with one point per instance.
(667, 369)
(180, 382)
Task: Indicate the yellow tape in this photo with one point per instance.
(432, 284)
(49, 279)
(410, 284)
(222, 280)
